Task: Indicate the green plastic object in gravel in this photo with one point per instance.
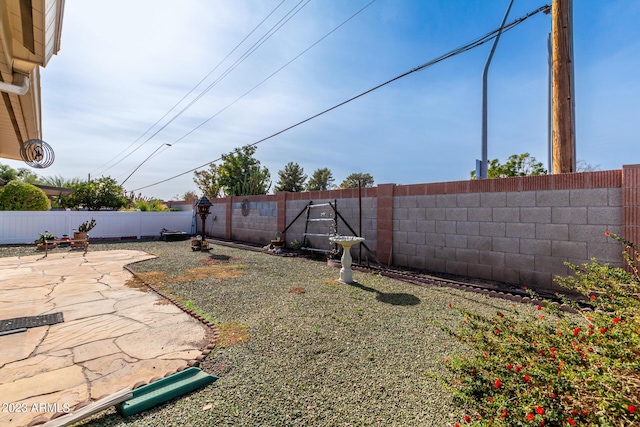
(163, 390)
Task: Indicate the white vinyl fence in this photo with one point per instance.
(18, 227)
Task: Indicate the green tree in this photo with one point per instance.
(95, 195)
(321, 179)
(516, 165)
(25, 175)
(59, 181)
(254, 182)
(21, 196)
(240, 173)
(365, 179)
(292, 178)
(190, 196)
(208, 181)
(7, 173)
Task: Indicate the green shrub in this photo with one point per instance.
(553, 368)
(46, 235)
(147, 205)
(20, 196)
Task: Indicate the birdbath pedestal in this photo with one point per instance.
(346, 274)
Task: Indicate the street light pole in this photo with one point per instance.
(484, 163)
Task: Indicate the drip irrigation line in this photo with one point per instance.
(471, 45)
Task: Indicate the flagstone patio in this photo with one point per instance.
(113, 336)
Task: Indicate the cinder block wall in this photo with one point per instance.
(216, 223)
(517, 230)
(515, 237)
(266, 215)
(254, 220)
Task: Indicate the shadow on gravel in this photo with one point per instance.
(393, 299)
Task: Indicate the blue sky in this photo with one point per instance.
(123, 64)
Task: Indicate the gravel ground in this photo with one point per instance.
(327, 354)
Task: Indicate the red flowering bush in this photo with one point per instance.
(557, 369)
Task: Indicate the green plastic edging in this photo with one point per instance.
(163, 390)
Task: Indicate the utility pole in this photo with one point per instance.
(563, 121)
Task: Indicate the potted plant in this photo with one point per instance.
(195, 243)
(83, 229)
(65, 241)
(45, 236)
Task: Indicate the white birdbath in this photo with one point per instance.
(346, 274)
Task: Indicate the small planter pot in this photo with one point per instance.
(195, 244)
(65, 241)
(276, 243)
(79, 235)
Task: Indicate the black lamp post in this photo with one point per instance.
(203, 206)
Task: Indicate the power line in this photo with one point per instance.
(228, 71)
(242, 58)
(471, 45)
(272, 74)
(143, 162)
(185, 96)
(259, 84)
(253, 48)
